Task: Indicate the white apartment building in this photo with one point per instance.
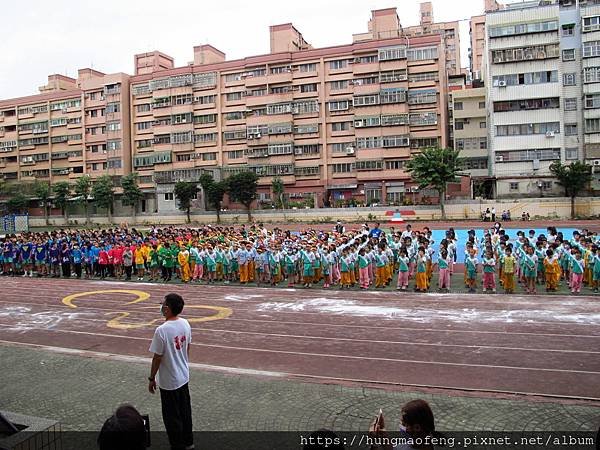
(543, 70)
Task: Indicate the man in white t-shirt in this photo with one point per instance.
(171, 348)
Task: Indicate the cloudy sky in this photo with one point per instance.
(43, 37)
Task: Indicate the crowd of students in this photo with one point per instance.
(363, 257)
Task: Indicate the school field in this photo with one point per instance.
(298, 359)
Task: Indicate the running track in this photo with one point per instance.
(534, 345)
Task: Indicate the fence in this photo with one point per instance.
(15, 223)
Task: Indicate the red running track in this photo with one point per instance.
(536, 345)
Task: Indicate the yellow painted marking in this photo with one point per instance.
(141, 296)
(221, 313)
(115, 322)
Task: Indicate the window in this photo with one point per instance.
(279, 128)
(339, 64)
(423, 76)
(339, 85)
(181, 158)
(422, 96)
(570, 104)
(366, 100)
(591, 101)
(481, 105)
(458, 106)
(307, 171)
(279, 108)
(459, 125)
(524, 105)
(340, 126)
(341, 105)
(206, 118)
(209, 156)
(391, 53)
(570, 129)
(306, 129)
(235, 154)
(396, 164)
(233, 135)
(550, 76)
(305, 107)
(233, 77)
(367, 121)
(591, 24)
(343, 168)
(395, 141)
(310, 149)
(341, 147)
(205, 137)
(204, 80)
(169, 196)
(591, 49)
(140, 89)
(424, 142)
(113, 107)
(369, 142)
(424, 118)
(568, 30)
(392, 95)
(281, 69)
(475, 163)
(113, 126)
(514, 186)
(394, 119)
(392, 76)
(525, 53)
(568, 54)
(546, 185)
(422, 54)
(232, 96)
(205, 99)
(369, 165)
(528, 129)
(145, 107)
(311, 87)
(144, 143)
(113, 145)
(482, 124)
(236, 115)
(312, 67)
(572, 153)
(591, 74)
(592, 125)
(523, 28)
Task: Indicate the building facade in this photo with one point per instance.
(336, 124)
(535, 86)
(74, 127)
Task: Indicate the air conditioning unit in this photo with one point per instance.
(358, 125)
(501, 83)
(258, 135)
(550, 134)
(27, 159)
(499, 158)
(349, 150)
(596, 162)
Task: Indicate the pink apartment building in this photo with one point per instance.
(335, 123)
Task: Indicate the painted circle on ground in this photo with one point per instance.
(140, 296)
(221, 313)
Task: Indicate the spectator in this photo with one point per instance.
(375, 232)
(493, 214)
(124, 430)
(171, 346)
(417, 422)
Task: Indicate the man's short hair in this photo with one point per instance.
(124, 430)
(175, 303)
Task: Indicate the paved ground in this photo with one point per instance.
(301, 360)
(83, 391)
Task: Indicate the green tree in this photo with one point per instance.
(278, 189)
(242, 189)
(83, 188)
(132, 194)
(206, 180)
(18, 202)
(42, 191)
(62, 192)
(215, 193)
(573, 177)
(435, 167)
(185, 193)
(104, 194)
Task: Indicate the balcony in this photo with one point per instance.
(94, 138)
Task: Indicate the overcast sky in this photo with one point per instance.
(41, 37)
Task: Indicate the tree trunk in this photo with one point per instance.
(249, 214)
(218, 209)
(187, 211)
(133, 214)
(572, 207)
(87, 213)
(109, 214)
(443, 204)
(46, 213)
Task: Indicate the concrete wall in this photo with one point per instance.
(554, 208)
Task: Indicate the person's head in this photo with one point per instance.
(508, 250)
(488, 254)
(172, 305)
(124, 430)
(444, 253)
(417, 419)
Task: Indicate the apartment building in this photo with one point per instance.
(477, 37)
(73, 127)
(449, 31)
(337, 123)
(534, 87)
(470, 135)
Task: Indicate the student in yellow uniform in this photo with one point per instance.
(140, 259)
(183, 258)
